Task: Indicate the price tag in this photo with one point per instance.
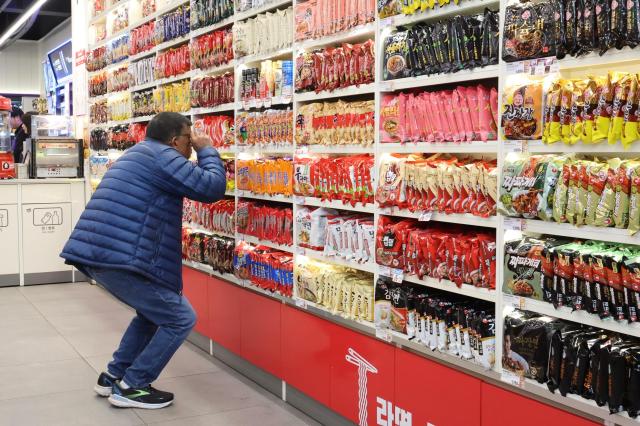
(397, 275)
(516, 146)
(384, 270)
(389, 22)
(387, 87)
(301, 251)
(539, 69)
(425, 217)
(513, 224)
(301, 303)
(384, 334)
(512, 378)
(302, 150)
(298, 199)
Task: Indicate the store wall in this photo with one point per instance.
(52, 40)
(20, 69)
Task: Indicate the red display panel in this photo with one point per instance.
(436, 394)
(225, 311)
(503, 408)
(306, 353)
(362, 373)
(261, 332)
(194, 288)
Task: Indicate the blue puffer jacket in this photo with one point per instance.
(134, 219)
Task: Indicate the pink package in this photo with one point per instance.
(467, 125)
(493, 96)
(414, 119)
(457, 115)
(448, 108)
(402, 113)
(390, 128)
(426, 117)
(486, 119)
(472, 102)
(435, 108)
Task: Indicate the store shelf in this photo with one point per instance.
(225, 276)
(446, 285)
(94, 99)
(490, 71)
(335, 149)
(220, 69)
(207, 269)
(312, 254)
(257, 241)
(139, 87)
(611, 57)
(275, 4)
(576, 402)
(348, 36)
(559, 147)
(210, 28)
(335, 204)
(172, 43)
(364, 89)
(198, 228)
(213, 110)
(174, 5)
(142, 119)
(465, 8)
(273, 54)
(475, 147)
(457, 362)
(278, 198)
(566, 313)
(141, 55)
(173, 79)
(460, 218)
(268, 103)
(230, 193)
(226, 149)
(612, 235)
(110, 38)
(365, 327)
(285, 149)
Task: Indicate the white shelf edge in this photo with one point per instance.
(173, 79)
(490, 71)
(257, 241)
(226, 150)
(247, 149)
(338, 38)
(250, 13)
(461, 218)
(210, 28)
(448, 286)
(612, 56)
(170, 43)
(370, 267)
(140, 55)
(559, 147)
(479, 147)
(220, 69)
(142, 119)
(565, 313)
(230, 193)
(465, 8)
(198, 228)
(612, 235)
(213, 110)
(338, 205)
(335, 149)
(139, 87)
(249, 59)
(364, 89)
(279, 198)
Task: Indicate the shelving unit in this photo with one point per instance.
(497, 149)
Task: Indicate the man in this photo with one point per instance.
(20, 132)
(128, 239)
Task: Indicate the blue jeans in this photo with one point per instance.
(163, 321)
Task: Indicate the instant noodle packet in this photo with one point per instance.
(602, 113)
(623, 89)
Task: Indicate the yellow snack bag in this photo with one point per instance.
(602, 113)
(631, 126)
(590, 97)
(566, 102)
(551, 132)
(621, 92)
(577, 108)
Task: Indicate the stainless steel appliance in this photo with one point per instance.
(56, 158)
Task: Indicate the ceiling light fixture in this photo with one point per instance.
(21, 20)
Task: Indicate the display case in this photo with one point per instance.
(52, 126)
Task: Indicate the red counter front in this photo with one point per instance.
(357, 376)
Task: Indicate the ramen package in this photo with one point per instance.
(522, 111)
(522, 186)
(396, 51)
(624, 88)
(528, 31)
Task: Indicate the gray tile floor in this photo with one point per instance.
(55, 339)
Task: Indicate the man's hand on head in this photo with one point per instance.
(200, 141)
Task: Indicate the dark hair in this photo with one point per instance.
(26, 120)
(16, 112)
(166, 125)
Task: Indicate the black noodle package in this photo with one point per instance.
(396, 49)
(633, 23)
(490, 37)
(603, 25)
(618, 10)
(526, 344)
(633, 386)
(575, 346)
(559, 339)
(529, 31)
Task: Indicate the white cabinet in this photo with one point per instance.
(9, 247)
(45, 230)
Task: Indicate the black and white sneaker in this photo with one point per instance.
(104, 385)
(147, 397)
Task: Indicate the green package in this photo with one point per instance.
(560, 194)
(622, 186)
(607, 202)
(634, 199)
(582, 193)
(597, 179)
(549, 170)
(572, 192)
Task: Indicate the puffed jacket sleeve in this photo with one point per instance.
(204, 182)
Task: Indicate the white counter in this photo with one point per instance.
(36, 218)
